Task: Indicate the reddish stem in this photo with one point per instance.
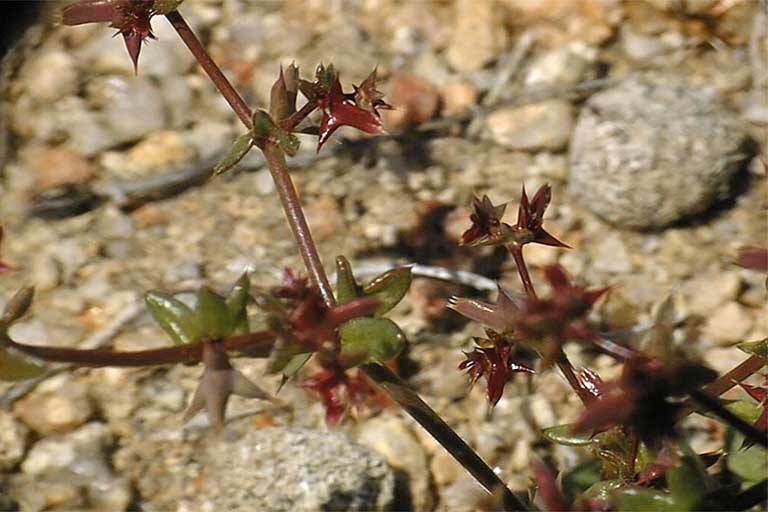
(740, 373)
(522, 269)
(297, 117)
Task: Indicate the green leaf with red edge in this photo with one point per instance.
(15, 367)
(17, 306)
(213, 315)
(174, 317)
(389, 288)
(365, 340)
(755, 348)
(564, 434)
(236, 152)
(646, 500)
(237, 301)
(346, 285)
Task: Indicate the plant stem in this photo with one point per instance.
(710, 403)
(296, 219)
(239, 106)
(565, 366)
(257, 344)
(397, 389)
(443, 433)
(744, 370)
(294, 119)
(522, 269)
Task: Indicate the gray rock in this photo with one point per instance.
(13, 437)
(653, 150)
(57, 406)
(281, 468)
(132, 106)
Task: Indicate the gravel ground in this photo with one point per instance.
(491, 95)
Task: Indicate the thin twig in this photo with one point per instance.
(711, 404)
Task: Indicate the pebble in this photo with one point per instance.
(611, 255)
(71, 471)
(560, 67)
(654, 150)
(50, 410)
(50, 76)
(85, 129)
(13, 441)
(458, 96)
(414, 98)
(388, 436)
(132, 106)
(543, 125)
(59, 166)
(294, 469)
(729, 324)
(478, 35)
(706, 291)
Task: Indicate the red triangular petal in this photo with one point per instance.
(544, 238)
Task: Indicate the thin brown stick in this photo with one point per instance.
(565, 366)
(238, 104)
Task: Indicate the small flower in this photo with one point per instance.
(494, 362)
(530, 217)
(131, 18)
(562, 316)
(339, 390)
(644, 398)
(487, 228)
(358, 109)
(218, 382)
(4, 267)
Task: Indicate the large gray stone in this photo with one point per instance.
(653, 150)
(292, 469)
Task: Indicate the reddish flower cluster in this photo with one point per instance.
(487, 228)
(358, 109)
(562, 316)
(643, 399)
(494, 362)
(130, 17)
(339, 390)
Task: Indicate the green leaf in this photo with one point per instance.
(390, 288)
(237, 303)
(287, 141)
(756, 348)
(687, 483)
(749, 464)
(236, 152)
(603, 490)
(346, 286)
(17, 367)
(563, 434)
(213, 314)
(18, 305)
(174, 317)
(646, 500)
(370, 339)
(582, 477)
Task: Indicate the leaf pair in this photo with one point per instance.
(15, 366)
(369, 339)
(213, 317)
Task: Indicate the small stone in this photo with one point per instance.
(706, 291)
(132, 106)
(729, 324)
(560, 67)
(294, 469)
(50, 76)
(13, 441)
(458, 97)
(390, 437)
(46, 271)
(654, 150)
(544, 125)
(611, 255)
(324, 217)
(478, 35)
(414, 98)
(444, 468)
(56, 410)
(60, 166)
(157, 151)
